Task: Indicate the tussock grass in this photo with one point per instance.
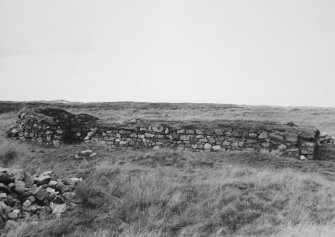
(229, 201)
(230, 205)
(11, 153)
(52, 227)
(89, 195)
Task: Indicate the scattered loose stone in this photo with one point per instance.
(28, 179)
(27, 203)
(10, 201)
(76, 180)
(4, 188)
(23, 196)
(93, 155)
(61, 187)
(52, 183)
(51, 191)
(41, 193)
(31, 199)
(20, 186)
(14, 214)
(47, 172)
(69, 195)
(43, 179)
(86, 152)
(3, 195)
(3, 210)
(58, 209)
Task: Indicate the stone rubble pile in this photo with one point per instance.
(25, 196)
(84, 154)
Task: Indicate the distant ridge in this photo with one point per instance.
(61, 101)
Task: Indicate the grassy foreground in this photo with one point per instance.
(178, 193)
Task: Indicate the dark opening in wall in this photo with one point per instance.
(74, 135)
(69, 138)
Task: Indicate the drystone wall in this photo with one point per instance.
(51, 126)
(324, 138)
(214, 136)
(56, 126)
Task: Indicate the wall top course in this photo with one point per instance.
(215, 127)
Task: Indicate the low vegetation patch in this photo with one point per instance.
(132, 200)
(10, 153)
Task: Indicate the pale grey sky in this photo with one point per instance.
(223, 51)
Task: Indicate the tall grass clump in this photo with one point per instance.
(45, 228)
(10, 153)
(89, 195)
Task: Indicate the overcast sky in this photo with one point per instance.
(223, 51)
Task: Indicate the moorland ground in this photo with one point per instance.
(322, 118)
(179, 193)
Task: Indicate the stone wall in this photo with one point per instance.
(56, 126)
(265, 137)
(324, 138)
(51, 126)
